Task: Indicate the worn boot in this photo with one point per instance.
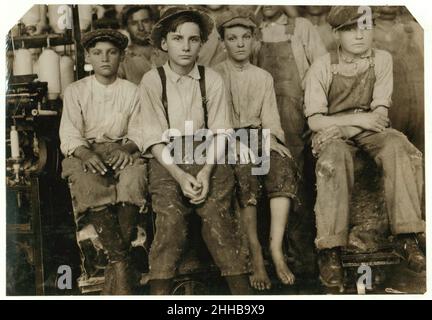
(107, 227)
(411, 252)
(122, 278)
(109, 281)
(330, 266)
(421, 240)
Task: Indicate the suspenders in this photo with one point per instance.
(201, 71)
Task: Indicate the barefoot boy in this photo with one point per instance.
(253, 105)
(170, 96)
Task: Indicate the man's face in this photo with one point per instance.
(105, 58)
(139, 25)
(238, 43)
(183, 44)
(355, 40)
(270, 11)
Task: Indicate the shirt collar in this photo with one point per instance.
(238, 67)
(365, 55)
(103, 86)
(175, 77)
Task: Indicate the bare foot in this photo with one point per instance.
(283, 272)
(260, 280)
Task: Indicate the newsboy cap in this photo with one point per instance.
(172, 12)
(234, 17)
(341, 16)
(111, 35)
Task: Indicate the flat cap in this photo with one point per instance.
(341, 16)
(172, 12)
(111, 35)
(236, 16)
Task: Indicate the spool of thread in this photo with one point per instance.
(32, 17)
(100, 11)
(66, 72)
(23, 62)
(35, 57)
(34, 27)
(36, 67)
(57, 15)
(85, 12)
(15, 150)
(43, 15)
(49, 71)
(59, 49)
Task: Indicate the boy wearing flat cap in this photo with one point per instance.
(347, 97)
(173, 96)
(253, 105)
(97, 133)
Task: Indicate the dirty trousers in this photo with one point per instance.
(91, 190)
(108, 229)
(281, 180)
(218, 226)
(402, 167)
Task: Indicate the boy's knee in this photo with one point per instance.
(134, 176)
(332, 159)
(396, 144)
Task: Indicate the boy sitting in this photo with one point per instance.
(97, 135)
(253, 105)
(348, 93)
(172, 96)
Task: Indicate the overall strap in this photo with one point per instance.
(372, 59)
(334, 60)
(162, 76)
(290, 27)
(202, 85)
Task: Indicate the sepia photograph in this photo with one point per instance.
(214, 150)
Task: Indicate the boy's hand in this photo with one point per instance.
(203, 177)
(120, 158)
(190, 186)
(244, 153)
(330, 133)
(333, 132)
(373, 121)
(279, 148)
(91, 161)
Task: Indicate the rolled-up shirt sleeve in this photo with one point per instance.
(317, 85)
(270, 114)
(72, 123)
(383, 88)
(219, 116)
(151, 117)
